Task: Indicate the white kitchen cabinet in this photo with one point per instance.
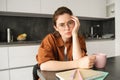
(110, 8)
(29, 6)
(4, 58)
(21, 74)
(49, 6)
(4, 75)
(107, 47)
(20, 56)
(16, 62)
(117, 27)
(3, 5)
(93, 8)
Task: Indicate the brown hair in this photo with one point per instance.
(60, 11)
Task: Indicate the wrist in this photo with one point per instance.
(76, 63)
(75, 34)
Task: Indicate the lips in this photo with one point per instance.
(68, 33)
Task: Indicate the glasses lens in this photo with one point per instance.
(71, 23)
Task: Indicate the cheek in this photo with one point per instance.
(61, 32)
(57, 29)
(71, 29)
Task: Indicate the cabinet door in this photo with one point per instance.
(21, 74)
(3, 58)
(4, 75)
(117, 27)
(110, 8)
(20, 56)
(2, 5)
(32, 6)
(107, 47)
(49, 6)
(94, 8)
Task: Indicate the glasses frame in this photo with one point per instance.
(69, 24)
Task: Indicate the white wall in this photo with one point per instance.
(117, 27)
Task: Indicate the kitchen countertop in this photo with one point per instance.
(99, 39)
(20, 43)
(26, 43)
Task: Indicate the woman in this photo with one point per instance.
(65, 48)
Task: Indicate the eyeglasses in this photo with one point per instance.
(69, 24)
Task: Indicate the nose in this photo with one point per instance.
(67, 27)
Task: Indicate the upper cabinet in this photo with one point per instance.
(94, 8)
(110, 8)
(30, 6)
(49, 6)
(2, 5)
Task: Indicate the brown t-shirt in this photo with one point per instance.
(52, 48)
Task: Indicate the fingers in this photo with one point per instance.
(91, 61)
(92, 58)
(76, 20)
(76, 26)
(91, 65)
(87, 62)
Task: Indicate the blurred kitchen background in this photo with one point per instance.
(100, 25)
(37, 28)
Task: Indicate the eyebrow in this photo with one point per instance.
(60, 23)
(64, 23)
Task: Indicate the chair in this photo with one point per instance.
(35, 68)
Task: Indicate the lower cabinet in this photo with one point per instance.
(20, 56)
(3, 58)
(21, 60)
(16, 62)
(107, 47)
(21, 74)
(4, 75)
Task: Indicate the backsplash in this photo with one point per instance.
(37, 28)
(100, 27)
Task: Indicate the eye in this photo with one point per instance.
(71, 22)
(62, 25)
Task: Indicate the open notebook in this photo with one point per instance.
(86, 74)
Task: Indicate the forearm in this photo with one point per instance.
(58, 65)
(77, 52)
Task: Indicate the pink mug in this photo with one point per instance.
(100, 61)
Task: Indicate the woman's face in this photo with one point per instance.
(65, 25)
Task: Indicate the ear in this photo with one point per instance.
(55, 27)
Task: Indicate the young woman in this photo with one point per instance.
(65, 48)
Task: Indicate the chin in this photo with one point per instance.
(68, 36)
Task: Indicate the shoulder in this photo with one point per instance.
(50, 39)
(52, 36)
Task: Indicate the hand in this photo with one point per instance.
(77, 25)
(87, 61)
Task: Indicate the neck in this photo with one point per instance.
(66, 40)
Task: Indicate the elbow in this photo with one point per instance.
(42, 67)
